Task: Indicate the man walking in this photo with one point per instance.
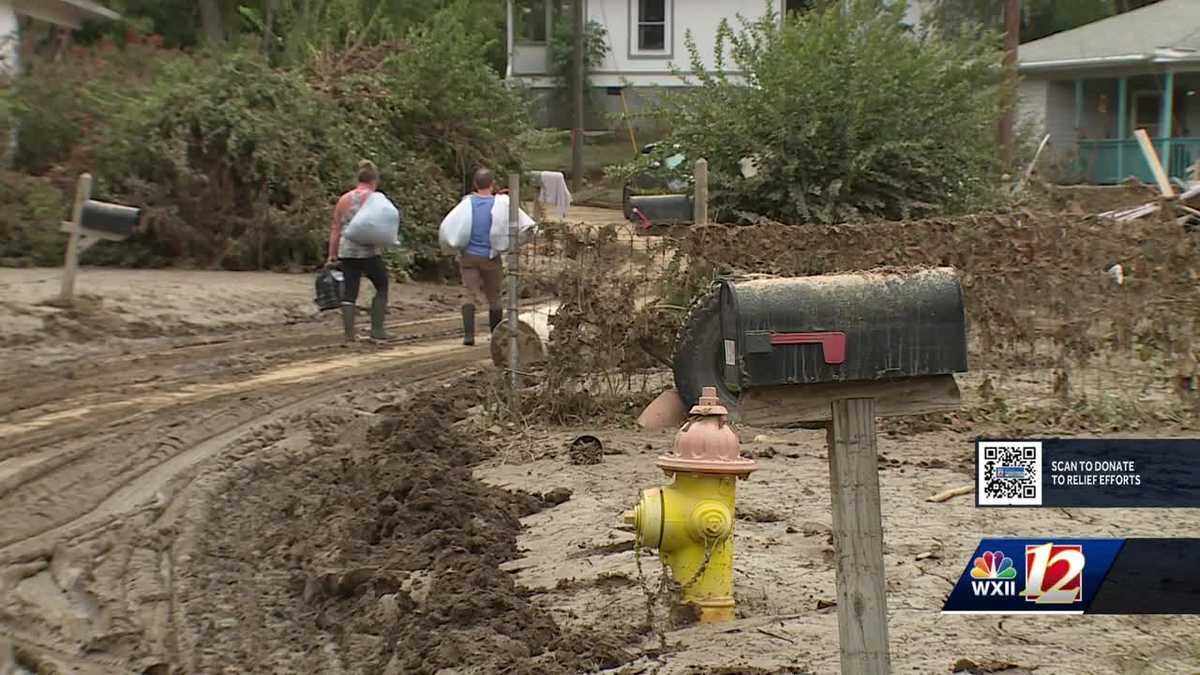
(479, 263)
(358, 260)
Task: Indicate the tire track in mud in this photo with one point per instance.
(90, 504)
(118, 562)
(51, 492)
(96, 388)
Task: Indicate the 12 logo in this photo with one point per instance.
(1053, 574)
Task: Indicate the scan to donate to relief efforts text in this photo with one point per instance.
(1077, 472)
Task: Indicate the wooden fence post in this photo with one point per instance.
(514, 293)
(858, 538)
(700, 172)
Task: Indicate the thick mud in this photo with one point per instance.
(385, 550)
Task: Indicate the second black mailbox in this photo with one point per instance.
(112, 221)
(842, 328)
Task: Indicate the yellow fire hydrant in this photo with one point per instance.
(690, 522)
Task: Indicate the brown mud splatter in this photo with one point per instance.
(393, 554)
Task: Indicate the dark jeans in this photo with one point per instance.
(354, 269)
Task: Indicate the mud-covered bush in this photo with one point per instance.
(30, 210)
(238, 163)
(848, 115)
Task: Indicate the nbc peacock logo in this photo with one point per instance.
(993, 574)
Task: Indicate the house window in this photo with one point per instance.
(796, 6)
(531, 18)
(652, 25)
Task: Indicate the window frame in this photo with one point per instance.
(519, 37)
(635, 31)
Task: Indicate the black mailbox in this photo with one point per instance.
(842, 328)
(661, 209)
(113, 220)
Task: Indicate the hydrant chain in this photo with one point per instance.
(710, 545)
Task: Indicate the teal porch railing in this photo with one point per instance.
(1111, 161)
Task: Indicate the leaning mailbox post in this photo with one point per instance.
(92, 221)
(839, 351)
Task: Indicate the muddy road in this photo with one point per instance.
(100, 456)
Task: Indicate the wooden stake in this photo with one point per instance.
(858, 538)
(700, 172)
(514, 293)
(83, 192)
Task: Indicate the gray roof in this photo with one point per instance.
(1165, 32)
(93, 10)
(65, 12)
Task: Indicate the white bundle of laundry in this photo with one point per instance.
(552, 191)
(455, 230)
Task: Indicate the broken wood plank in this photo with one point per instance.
(951, 493)
(800, 404)
(1151, 155)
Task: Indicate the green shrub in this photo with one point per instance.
(849, 115)
(238, 164)
(31, 210)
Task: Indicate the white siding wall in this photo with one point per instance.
(624, 65)
(1060, 114)
(1031, 104)
(701, 17)
(9, 53)
(1048, 107)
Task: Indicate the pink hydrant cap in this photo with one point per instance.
(707, 443)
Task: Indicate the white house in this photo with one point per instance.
(645, 39)
(66, 13)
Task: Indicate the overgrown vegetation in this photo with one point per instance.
(1037, 298)
(237, 161)
(562, 53)
(873, 124)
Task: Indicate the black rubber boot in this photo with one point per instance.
(495, 316)
(468, 317)
(348, 321)
(378, 314)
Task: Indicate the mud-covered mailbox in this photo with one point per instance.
(841, 350)
(842, 328)
(109, 221)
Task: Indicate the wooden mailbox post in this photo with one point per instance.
(839, 351)
(91, 222)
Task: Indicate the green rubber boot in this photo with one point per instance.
(378, 313)
(348, 321)
(468, 318)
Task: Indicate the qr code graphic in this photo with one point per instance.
(1010, 473)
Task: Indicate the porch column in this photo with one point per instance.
(1078, 107)
(1122, 124)
(1166, 119)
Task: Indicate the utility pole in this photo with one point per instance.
(1012, 40)
(577, 96)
